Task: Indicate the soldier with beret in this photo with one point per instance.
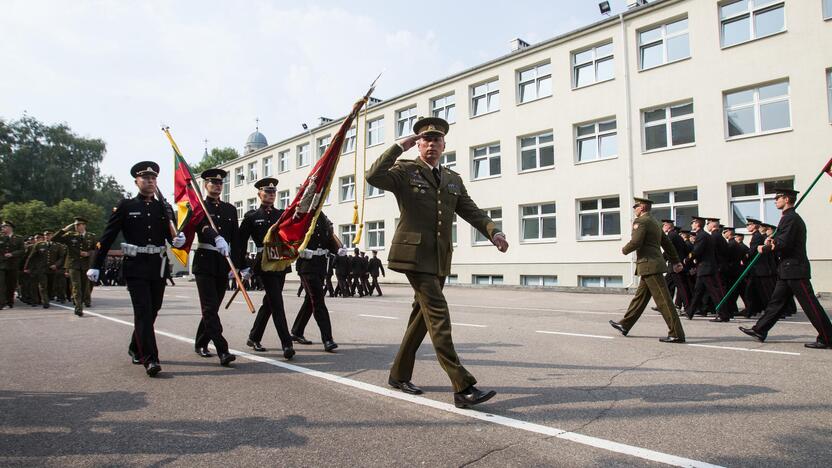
(80, 246)
(145, 223)
(12, 250)
(428, 196)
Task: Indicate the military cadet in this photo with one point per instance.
(27, 289)
(365, 273)
(375, 266)
(679, 279)
(330, 272)
(760, 278)
(36, 266)
(80, 245)
(707, 273)
(55, 273)
(724, 260)
(648, 241)
(342, 272)
(794, 273)
(311, 266)
(210, 267)
(255, 225)
(731, 267)
(428, 196)
(11, 251)
(356, 268)
(145, 223)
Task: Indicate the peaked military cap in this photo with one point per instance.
(698, 219)
(144, 168)
(6, 222)
(669, 221)
(266, 182)
(752, 221)
(728, 228)
(431, 126)
(79, 219)
(641, 201)
(713, 220)
(769, 226)
(789, 192)
(213, 175)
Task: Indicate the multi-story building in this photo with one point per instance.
(699, 105)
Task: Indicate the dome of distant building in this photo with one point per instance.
(255, 141)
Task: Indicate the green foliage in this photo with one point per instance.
(217, 157)
(36, 216)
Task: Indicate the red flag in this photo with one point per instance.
(189, 211)
(828, 168)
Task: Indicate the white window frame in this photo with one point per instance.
(251, 204)
(304, 155)
(598, 135)
(598, 211)
(663, 40)
(405, 118)
(347, 234)
(492, 279)
(536, 147)
(593, 61)
(323, 145)
(539, 217)
(827, 10)
(488, 156)
(239, 176)
(498, 222)
(672, 204)
(375, 231)
(604, 279)
(238, 205)
(492, 93)
(751, 11)
(829, 84)
(375, 131)
(444, 107)
(451, 279)
(349, 141)
(267, 166)
(346, 183)
(756, 103)
(226, 190)
(283, 161)
(539, 281)
(448, 160)
(667, 122)
(283, 199)
(252, 172)
(541, 75)
(760, 197)
(373, 191)
(454, 232)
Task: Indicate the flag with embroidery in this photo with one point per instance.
(186, 197)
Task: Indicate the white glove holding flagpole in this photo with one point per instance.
(222, 246)
(179, 240)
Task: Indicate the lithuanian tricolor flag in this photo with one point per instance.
(186, 196)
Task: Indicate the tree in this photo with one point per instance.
(217, 157)
(36, 216)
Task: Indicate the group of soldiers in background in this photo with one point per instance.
(356, 274)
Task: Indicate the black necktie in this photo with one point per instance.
(436, 174)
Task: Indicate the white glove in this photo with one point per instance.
(221, 245)
(178, 241)
(245, 272)
(93, 274)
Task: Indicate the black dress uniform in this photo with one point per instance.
(330, 272)
(707, 274)
(680, 280)
(761, 277)
(375, 266)
(144, 222)
(356, 269)
(211, 270)
(342, 272)
(312, 272)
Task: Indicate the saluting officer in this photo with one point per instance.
(145, 223)
(428, 196)
(255, 225)
(36, 266)
(210, 266)
(12, 250)
(80, 245)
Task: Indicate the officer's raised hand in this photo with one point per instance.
(409, 142)
(500, 241)
(179, 240)
(93, 274)
(222, 246)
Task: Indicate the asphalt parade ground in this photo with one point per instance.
(571, 390)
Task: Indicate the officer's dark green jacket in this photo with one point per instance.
(422, 242)
(75, 244)
(648, 241)
(13, 245)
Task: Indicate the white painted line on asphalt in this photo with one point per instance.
(378, 316)
(183, 297)
(575, 334)
(456, 324)
(531, 309)
(596, 442)
(733, 348)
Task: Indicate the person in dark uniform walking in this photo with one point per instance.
(707, 273)
(145, 223)
(57, 252)
(36, 266)
(356, 268)
(210, 266)
(80, 245)
(255, 225)
(311, 266)
(342, 272)
(680, 280)
(375, 266)
(365, 273)
(428, 195)
(12, 249)
(794, 270)
(761, 278)
(723, 259)
(330, 272)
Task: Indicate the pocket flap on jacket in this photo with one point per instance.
(407, 238)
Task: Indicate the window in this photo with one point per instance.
(601, 281)
(593, 65)
(375, 132)
(596, 140)
(829, 88)
(375, 235)
(239, 206)
(827, 9)
(349, 142)
(252, 171)
(599, 218)
(664, 44)
(496, 215)
(328, 198)
(283, 161)
(537, 151)
(226, 190)
(679, 205)
(486, 161)
(251, 204)
(756, 200)
(373, 191)
(452, 279)
(347, 188)
(485, 98)
(347, 233)
(668, 126)
(453, 231)
(239, 176)
(323, 144)
(444, 107)
(303, 155)
(538, 222)
(283, 199)
(746, 20)
(448, 160)
(267, 167)
(535, 82)
(758, 110)
(404, 122)
(537, 280)
(487, 279)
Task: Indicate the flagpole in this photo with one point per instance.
(757, 254)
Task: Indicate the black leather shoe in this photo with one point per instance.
(671, 339)
(153, 368)
(300, 339)
(288, 352)
(255, 345)
(753, 333)
(203, 351)
(330, 346)
(406, 387)
(719, 319)
(227, 358)
(619, 327)
(79, 313)
(45, 305)
(655, 308)
(133, 358)
(817, 345)
(472, 396)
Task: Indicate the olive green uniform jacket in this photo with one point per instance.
(648, 241)
(75, 244)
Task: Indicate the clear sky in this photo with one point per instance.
(116, 70)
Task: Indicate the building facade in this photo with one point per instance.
(699, 105)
